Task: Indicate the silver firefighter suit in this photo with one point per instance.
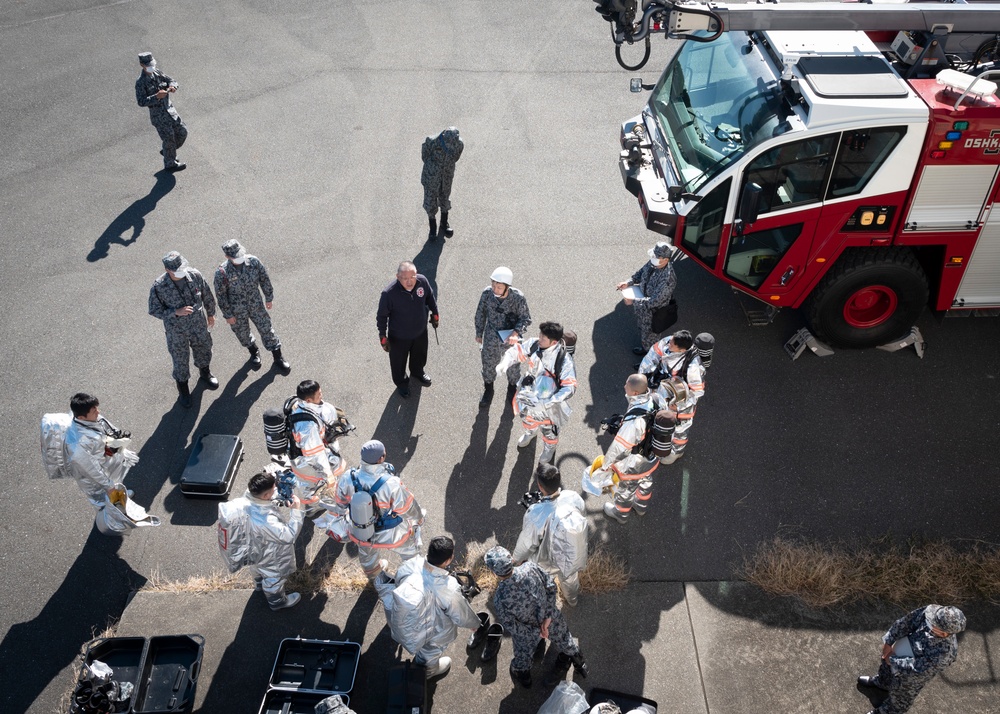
(540, 542)
(672, 364)
(521, 603)
(436, 607)
(541, 398)
(162, 114)
(904, 677)
(494, 314)
(272, 532)
(440, 154)
(95, 468)
(392, 496)
(320, 464)
(657, 285)
(634, 471)
(238, 289)
(186, 334)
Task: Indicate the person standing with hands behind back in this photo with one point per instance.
(402, 325)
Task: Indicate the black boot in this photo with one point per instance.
(522, 678)
(254, 356)
(433, 234)
(487, 395)
(445, 228)
(206, 376)
(185, 394)
(580, 664)
(280, 363)
(558, 671)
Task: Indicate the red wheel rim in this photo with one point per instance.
(870, 306)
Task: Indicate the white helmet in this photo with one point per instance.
(503, 275)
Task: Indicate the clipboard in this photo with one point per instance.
(633, 292)
(505, 335)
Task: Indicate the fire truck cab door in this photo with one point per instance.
(770, 255)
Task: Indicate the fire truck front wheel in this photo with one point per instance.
(870, 296)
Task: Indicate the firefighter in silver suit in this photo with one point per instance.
(273, 535)
(634, 471)
(676, 357)
(547, 382)
(320, 464)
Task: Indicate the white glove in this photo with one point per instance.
(130, 458)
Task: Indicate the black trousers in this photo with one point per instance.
(400, 350)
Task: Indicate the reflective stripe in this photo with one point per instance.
(623, 442)
(634, 477)
(398, 543)
(313, 451)
(307, 477)
(550, 441)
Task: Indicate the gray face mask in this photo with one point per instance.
(180, 273)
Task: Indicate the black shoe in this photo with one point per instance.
(424, 379)
(639, 351)
(432, 234)
(494, 638)
(558, 671)
(477, 637)
(174, 168)
(280, 363)
(208, 378)
(404, 391)
(487, 397)
(445, 228)
(522, 678)
(871, 682)
(580, 665)
(254, 356)
(184, 393)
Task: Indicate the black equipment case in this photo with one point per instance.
(407, 687)
(308, 671)
(213, 466)
(625, 702)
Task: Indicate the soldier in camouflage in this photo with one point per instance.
(525, 604)
(440, 154)
(914, 650)
(239, 281)
(153, 90)
(657, 280)
(182, 299)
(501, 307)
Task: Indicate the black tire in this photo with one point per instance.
(870, 296)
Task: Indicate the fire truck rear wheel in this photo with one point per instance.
(870, 297)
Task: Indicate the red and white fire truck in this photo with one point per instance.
(839, 158)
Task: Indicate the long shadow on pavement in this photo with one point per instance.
(395, 430)
(226, 415)
(132, 219)
(427, 261)
(92, 596)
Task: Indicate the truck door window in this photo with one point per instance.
(861, 154)
(753, 256)
(792, 174)
(703, 225)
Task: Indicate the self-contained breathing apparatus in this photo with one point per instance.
(279, 423)
(365, 516)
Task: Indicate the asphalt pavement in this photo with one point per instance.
(305, 123)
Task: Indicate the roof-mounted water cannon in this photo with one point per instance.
(674, 20)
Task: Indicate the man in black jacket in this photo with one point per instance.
(402, 325)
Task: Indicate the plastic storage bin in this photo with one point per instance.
(169, 674)
(321, 666)
(124, 655)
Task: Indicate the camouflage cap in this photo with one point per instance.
(146, 58)
(499, 560)
(233, 249)
(661, 250)
(174, 261)
(947, 618)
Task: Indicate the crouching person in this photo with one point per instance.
(271, 534)
(525, 604)
(427, 607)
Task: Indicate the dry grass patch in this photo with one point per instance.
(604, 573)
(824, 575)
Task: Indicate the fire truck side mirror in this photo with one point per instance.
(749, 207)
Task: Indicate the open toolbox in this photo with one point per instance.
(308, 671)
(164, 669)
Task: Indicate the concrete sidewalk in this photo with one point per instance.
(722, 648)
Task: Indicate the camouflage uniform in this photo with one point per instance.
(904, 677)
(440, 154)
(238, 288)
(186, 334)
(658, 286)
(162, 114)
(522, 602)
(492, 314)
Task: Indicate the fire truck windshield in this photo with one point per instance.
(713, 103)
